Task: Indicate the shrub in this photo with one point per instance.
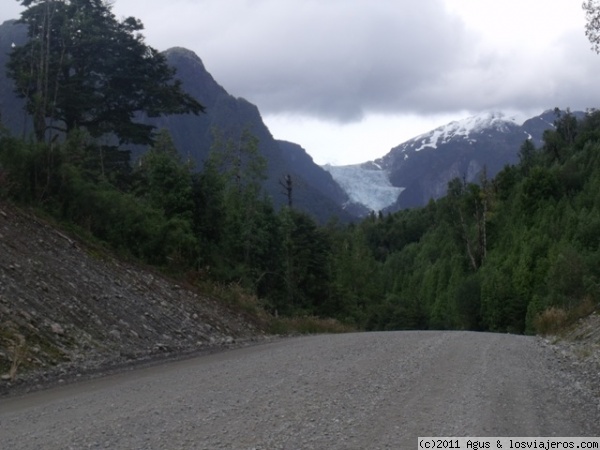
(551, 321)
(307, 325)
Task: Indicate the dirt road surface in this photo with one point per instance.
(354, 391)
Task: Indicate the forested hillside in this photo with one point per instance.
(517, 252)
(193, 135)
(489, 256)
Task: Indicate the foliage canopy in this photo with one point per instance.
(592, 26)
(493, 255)
(488, 256)
(82, 68)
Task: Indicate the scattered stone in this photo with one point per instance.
(115, 334)
(57, 329)
(62, 299)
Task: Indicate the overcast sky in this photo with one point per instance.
(350, 79)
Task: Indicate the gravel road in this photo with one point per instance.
(353, 391)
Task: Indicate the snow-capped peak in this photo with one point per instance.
(464, 128)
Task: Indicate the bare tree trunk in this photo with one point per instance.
(467, 241)
(287, 185)
(42, 78)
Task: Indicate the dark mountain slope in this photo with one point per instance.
(425, 164)
(315, 191)
(312, 176)
(193, 135)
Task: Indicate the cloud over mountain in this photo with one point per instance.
(340, 59)
(343, 60)
(349, 63)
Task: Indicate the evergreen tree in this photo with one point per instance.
(82, 68)
(527, 156)
(306, 264)
(164, 182)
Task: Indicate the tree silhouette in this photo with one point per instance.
(82, 68)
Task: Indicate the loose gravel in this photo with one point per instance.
(352, 391)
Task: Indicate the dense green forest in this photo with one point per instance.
(517, 253)
(489, 256)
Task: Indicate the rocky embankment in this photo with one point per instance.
(579, 348)
(68, 310)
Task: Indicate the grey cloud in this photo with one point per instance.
(339, 60)
(564, 76)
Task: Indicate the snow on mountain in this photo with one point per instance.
(465, 130)
(369, 183)
(366, 184)
(419, 169)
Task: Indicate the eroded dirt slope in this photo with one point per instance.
(66, 309)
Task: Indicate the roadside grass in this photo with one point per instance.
(576, 332)
(234, 295)
(307, 325)
(551, 321)
(557, 321)
(14, 354)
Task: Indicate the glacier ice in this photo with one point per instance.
(366, 184)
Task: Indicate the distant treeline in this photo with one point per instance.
(518, 253)
(507, 254)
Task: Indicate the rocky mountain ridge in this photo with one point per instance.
(408, 176)
(419, 169)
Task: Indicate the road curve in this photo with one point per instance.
(352, 391)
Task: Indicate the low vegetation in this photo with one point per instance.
(517, 253)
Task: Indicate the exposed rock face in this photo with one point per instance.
(65, 307)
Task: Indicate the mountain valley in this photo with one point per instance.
(408, 176)
(419, 169)
(202, 212)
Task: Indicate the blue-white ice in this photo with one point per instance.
(366, 184)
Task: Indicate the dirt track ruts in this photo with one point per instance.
(353, 391)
